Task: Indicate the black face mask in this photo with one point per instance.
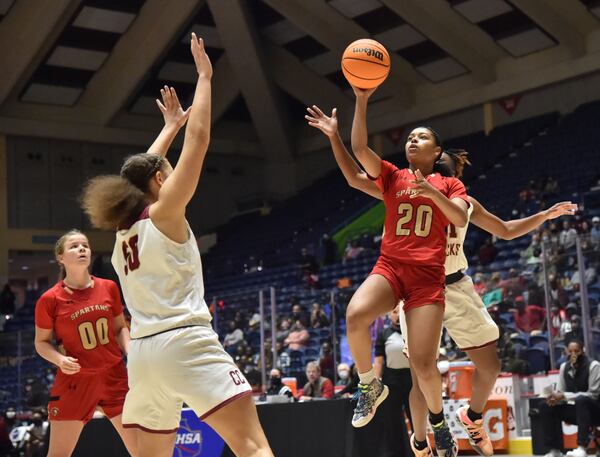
(37, 422)
(275, 381)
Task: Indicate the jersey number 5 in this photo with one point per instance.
(423, 219)
(130, 252)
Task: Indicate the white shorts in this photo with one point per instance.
(465, 317)
(186, 365)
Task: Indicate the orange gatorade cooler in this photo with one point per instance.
(460, 381)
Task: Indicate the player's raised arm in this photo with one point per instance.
(370, 161)
(178, 190)
(355, 177)
(175, 118)
(508, 230)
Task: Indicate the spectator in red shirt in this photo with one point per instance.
(317, 386)
(528, 317)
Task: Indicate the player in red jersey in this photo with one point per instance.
(464, 310)
(84, 314)
(419, 206)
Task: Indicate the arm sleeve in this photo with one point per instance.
(383, 180)
(44, 312)
(116, 296)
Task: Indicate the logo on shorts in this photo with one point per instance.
(54, 411)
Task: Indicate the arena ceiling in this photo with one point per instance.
(91, 69)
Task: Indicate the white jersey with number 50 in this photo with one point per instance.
(455, 254)
(161, 279)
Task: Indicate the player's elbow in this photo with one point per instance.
(505, 233)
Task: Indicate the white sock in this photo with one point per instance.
(367, 377)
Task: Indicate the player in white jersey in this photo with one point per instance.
(174, 355)
(465, 316)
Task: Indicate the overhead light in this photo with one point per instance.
(25, 267)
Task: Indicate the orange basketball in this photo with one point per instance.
(365, 63)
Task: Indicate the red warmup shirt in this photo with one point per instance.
(83, 322)
(415, 228)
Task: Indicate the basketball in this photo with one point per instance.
(365, 63)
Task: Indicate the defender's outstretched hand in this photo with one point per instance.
(171, 109)
(318, 119)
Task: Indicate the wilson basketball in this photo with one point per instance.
(365, 63)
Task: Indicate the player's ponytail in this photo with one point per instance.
(460, 158)
(112, 202)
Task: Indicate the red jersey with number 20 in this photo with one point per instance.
(415, 228)
(82, 321)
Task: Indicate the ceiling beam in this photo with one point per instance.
(118, 136)
(28, 32)
(302, 83)
(336, 32)
(132, 59)
(242, 45)
(440, 23)
(555, 17)
(225, 88)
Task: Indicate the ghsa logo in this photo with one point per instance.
(188, 443)
(370, 52)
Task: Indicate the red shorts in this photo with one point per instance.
(415, 285)
(75, 397)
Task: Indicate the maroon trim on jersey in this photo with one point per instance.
(480, 347)
(225, 403)
(145, 214)
(149, 430)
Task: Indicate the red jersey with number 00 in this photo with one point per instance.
(415, 228)
(82, 321)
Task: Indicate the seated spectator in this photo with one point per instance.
(578, 382)
(557, 293)
(257, 359)
(7, 300)
(284, 330)
(576, 332)
(317, 386)
(479, 284)
(283, 358)
(34, 447)
(298, 314)
(352, 251)
(528, 317)
(589, 275)
(567, 236)
(254, 323)
(318, 318)
(298, 337)
(233, 338)
(326, 360)
(351, 385)
(276, 387)
(240, 320)
(343, 371)
(557, 318)
(487, 252)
